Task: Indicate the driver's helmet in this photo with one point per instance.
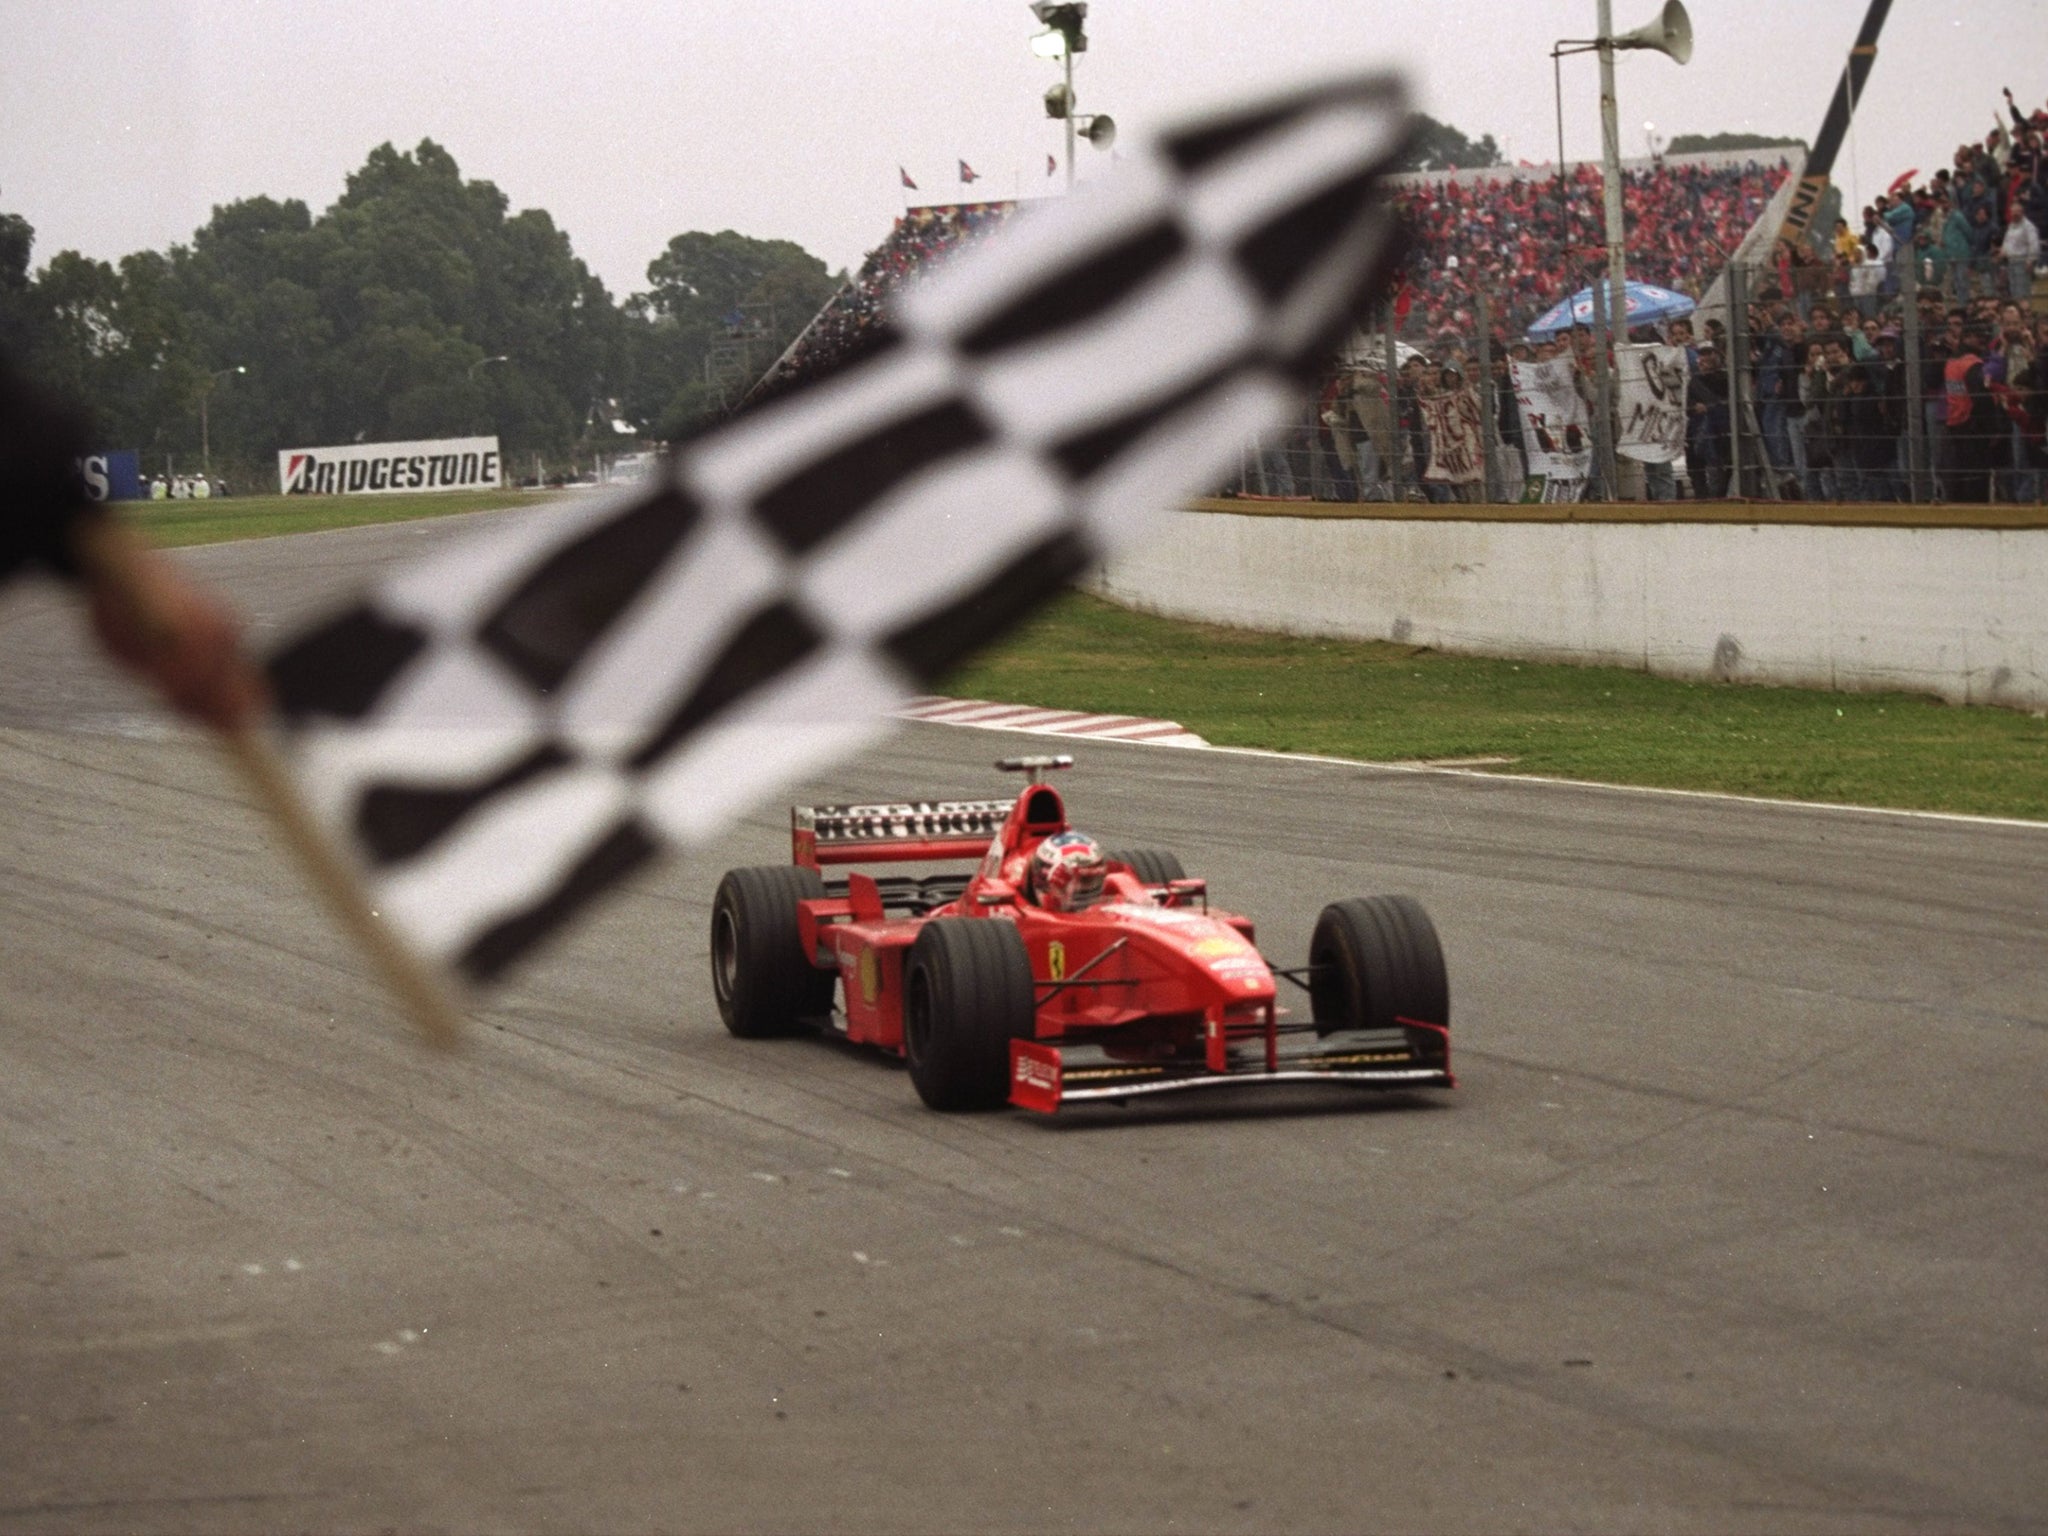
(1067, 872)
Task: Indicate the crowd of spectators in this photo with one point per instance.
(1524, 242)
(843, 329)
(1835, 402)
(1972, 229)
(1836, 407)
(1836, 399)
(1836, 410)
(1517, 239)
(1954, 258)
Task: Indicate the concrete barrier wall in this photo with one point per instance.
(1961, 612)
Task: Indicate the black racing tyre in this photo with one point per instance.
(765, 984)
(1376, 959)
(967, 993)
(1154, 866)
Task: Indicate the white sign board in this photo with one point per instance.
(1457, 443)
(371, 469)
(1652, 403)
(1556, 433)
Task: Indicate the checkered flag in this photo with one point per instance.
(503, 729)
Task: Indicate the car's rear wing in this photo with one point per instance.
(890, 834)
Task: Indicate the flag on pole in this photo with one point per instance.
(1051, 165)
(905, 176)
(504, 728)
(967, 174)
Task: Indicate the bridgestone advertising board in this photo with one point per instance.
(374, 469)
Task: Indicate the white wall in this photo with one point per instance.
(1958, 612)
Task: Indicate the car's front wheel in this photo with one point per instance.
(967, 993)
(1375, 960)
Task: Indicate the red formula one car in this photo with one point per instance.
(999, 986)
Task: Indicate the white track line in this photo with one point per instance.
(981, 715)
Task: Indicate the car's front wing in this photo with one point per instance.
(1044, 1074)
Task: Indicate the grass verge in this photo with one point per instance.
(177, 523)
(1389, 703)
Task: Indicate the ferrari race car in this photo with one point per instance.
(1002, 985)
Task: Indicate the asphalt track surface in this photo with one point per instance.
(1735, 1223)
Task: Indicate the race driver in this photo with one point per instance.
(1067, 871)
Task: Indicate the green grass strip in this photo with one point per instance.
(217, 520)
(1394, 703)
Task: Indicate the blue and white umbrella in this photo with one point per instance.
(1647, 305)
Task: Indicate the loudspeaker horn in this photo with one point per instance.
(1670, 33)
(1101, 130)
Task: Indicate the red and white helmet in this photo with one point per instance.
(1067, 872)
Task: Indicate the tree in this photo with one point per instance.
(79, 304)
(19, 327)
(377, 319)
(1440, 147)
(425, 277)
(417, 306)
(725, 300)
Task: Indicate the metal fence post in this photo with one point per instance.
(1603, 390)
(1489, 408)
(1918, 486)
(1734, 363)
(1397, 483)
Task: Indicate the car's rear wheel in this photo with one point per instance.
(1154, 866)
(1375, 961)
(967, 993)
(764, 982)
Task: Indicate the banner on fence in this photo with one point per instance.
(447, 464)
(1555, 431)
(1457, 448)
(1652, 403)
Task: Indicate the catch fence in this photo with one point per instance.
(1919, 382)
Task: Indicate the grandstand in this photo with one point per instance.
(843, 329)
(1512, 234)
(1502, 229)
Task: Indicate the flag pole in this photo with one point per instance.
(111, 552)
(416, 987)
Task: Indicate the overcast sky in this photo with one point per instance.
(123, 122)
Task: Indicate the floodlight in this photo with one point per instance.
(1049, 45)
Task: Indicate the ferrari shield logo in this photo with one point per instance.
(1056, 960)
(870, 976)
